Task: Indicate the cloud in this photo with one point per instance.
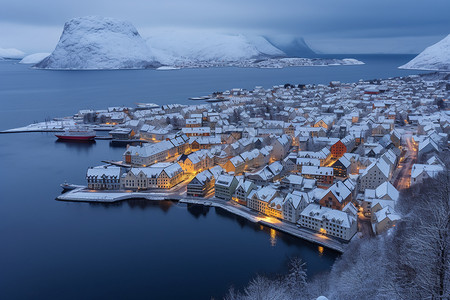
(339, 21)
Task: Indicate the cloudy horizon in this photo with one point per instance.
(350, 27)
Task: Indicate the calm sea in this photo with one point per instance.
(134, 249)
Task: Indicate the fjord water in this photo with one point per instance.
(135, 249)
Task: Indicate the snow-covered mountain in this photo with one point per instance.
(99, 43)
(11, 53)
(198, 46)
(89, 43)
(436, 57)
(34, 58)
(292, 46)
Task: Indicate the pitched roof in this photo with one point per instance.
(388, 189)
(339, 190)
(335, 216)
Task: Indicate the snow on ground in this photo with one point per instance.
(167, 68)
(34, 58)
(11, 53)
(82, 194)
(435, 58)
(45, 126)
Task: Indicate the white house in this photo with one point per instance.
(294, 204)
(419, 172)
(328, 221)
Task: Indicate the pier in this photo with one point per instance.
(83, 194)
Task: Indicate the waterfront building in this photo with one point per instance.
(160, 175)
(328, 221)
(244, 188)
(225, 186)
(201, 185)
(105, 177)
(122, 133)
(294, 203)
(259, 199)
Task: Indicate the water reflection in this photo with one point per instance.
(273, 237)
(79, 146)
(320, 248)
(198, 210)
(124, 143)
(142, 204)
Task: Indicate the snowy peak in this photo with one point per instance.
(199, 46)
(99, 43)
(436, 57)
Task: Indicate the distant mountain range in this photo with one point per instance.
(186, 46)
(106, 43)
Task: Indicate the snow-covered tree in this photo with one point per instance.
(296, 278)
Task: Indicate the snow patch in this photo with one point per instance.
(167, 68)
(34, 58)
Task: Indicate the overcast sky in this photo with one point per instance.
(329, 26)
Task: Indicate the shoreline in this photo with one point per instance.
(81, 195)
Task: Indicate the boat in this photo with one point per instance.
(146, 106)
(199, 98)
(76, 135)
(69, 187)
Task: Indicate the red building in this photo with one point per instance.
(338, 149)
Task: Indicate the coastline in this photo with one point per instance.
(83, 195)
